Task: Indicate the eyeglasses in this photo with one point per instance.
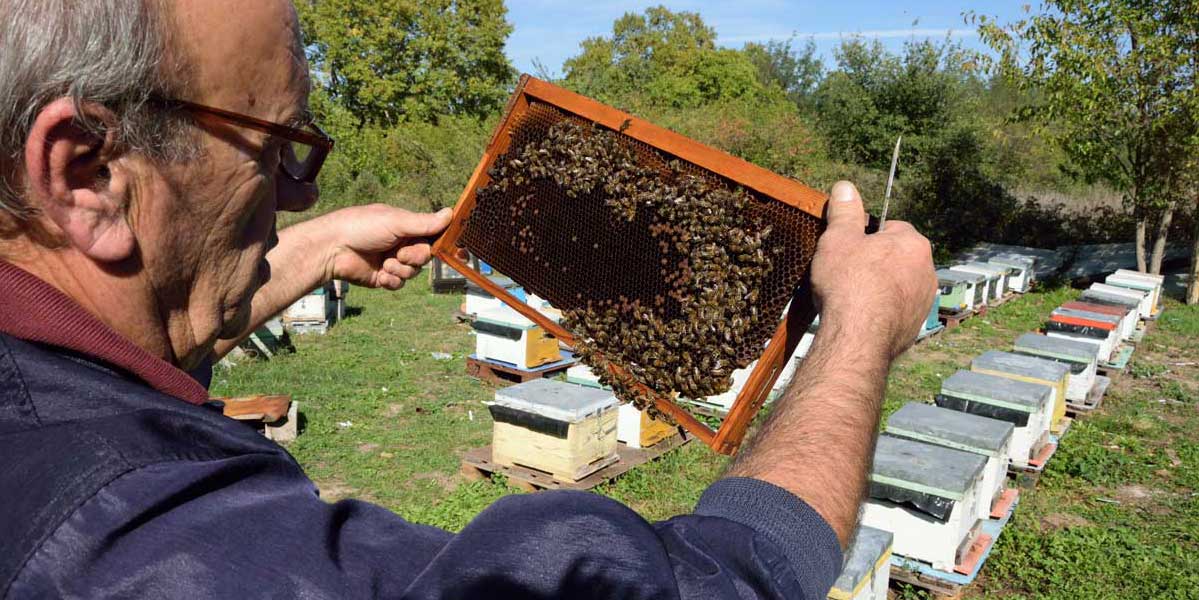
(301, 157)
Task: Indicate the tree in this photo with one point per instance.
(795, 71)
(1115, 79)
(389, 61)
(873, 96)
(663, 58)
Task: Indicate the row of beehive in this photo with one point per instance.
(938, 481)
(973, 285)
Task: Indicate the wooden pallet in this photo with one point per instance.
(928, 334)
(951, 320)
(1029, 476)
(1119, 364)
(476, 464)
(1093, 401)
(501, 373)
(951, 585)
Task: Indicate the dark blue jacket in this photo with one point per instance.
(109, 489)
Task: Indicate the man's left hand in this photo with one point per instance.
(380, 246)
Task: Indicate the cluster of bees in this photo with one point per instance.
(687, 332)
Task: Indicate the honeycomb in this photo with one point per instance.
(662, 267)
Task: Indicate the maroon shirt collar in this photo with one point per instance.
(37, 312)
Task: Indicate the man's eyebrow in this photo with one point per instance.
(301, 119)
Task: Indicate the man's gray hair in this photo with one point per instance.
(112, 52)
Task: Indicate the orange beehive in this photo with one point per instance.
(579, 255)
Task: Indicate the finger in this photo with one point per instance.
(898, 227)
(415, 255)
(421, 225)
(390, 282)
(845, 211)
(396, 268)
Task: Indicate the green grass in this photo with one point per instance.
(1116, 514)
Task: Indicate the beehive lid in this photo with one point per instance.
(983, 274)
(1127, 302)
(1119, 290)
(1105, 309)
(989, 267)
(1128, 281)
(1009, 260)
(555, 399)
(869, 546)
(1056, 347)
(582, 375)
(925, 468)
(506, 317)
(1072, 316)
(997, 391)
(1017, 364)
(1160, 279)
(952, 277)
(503, 282)
(955, 429)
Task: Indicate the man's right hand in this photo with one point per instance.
(875, 284)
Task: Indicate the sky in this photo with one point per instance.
(549, 31)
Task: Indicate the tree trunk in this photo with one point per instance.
(1140, 243)
(1159, 242)
(1193, 286)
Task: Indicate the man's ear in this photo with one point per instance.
(71, 176)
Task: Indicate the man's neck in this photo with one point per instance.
(119, 297)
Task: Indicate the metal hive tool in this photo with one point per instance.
(564, 244)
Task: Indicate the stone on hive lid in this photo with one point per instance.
(1056, 347)
(952, 428)
(925, 468)
(555, 400)
(1018, 364)
(996, 390)
(868, 546)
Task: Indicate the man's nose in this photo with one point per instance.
(295, 196)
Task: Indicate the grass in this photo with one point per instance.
(1116, 514)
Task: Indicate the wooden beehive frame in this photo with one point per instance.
(728, 437)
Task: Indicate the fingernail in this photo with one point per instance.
(445, 212)
(843, 192)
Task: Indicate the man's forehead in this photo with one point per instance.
(242, 54)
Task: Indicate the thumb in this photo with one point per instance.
(844, 208)
(421, 225)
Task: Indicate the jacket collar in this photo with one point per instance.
(35, 311)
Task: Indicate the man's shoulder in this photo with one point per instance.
(68, 429)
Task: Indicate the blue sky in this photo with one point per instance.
(550, 30)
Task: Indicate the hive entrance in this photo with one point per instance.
(673, 272)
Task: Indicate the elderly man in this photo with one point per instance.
(145, 147)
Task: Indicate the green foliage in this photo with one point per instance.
(795, 71)
(1115, 78)
(663, 58)
(402, 60)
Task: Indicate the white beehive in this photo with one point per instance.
(504, 335)
(1139, 281)
(926, 495)
(1032, 370)
(1102, 330)
(996, 277)
(1023, 272)
(582, 374)
(639, 430)
(866, 573)
(1144, 297)
(1082, 359)
(566, 430)
(1130, 306)
(479, 300)
(1027, 406)
(317, 305)
(984, 436)
(975, 294)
